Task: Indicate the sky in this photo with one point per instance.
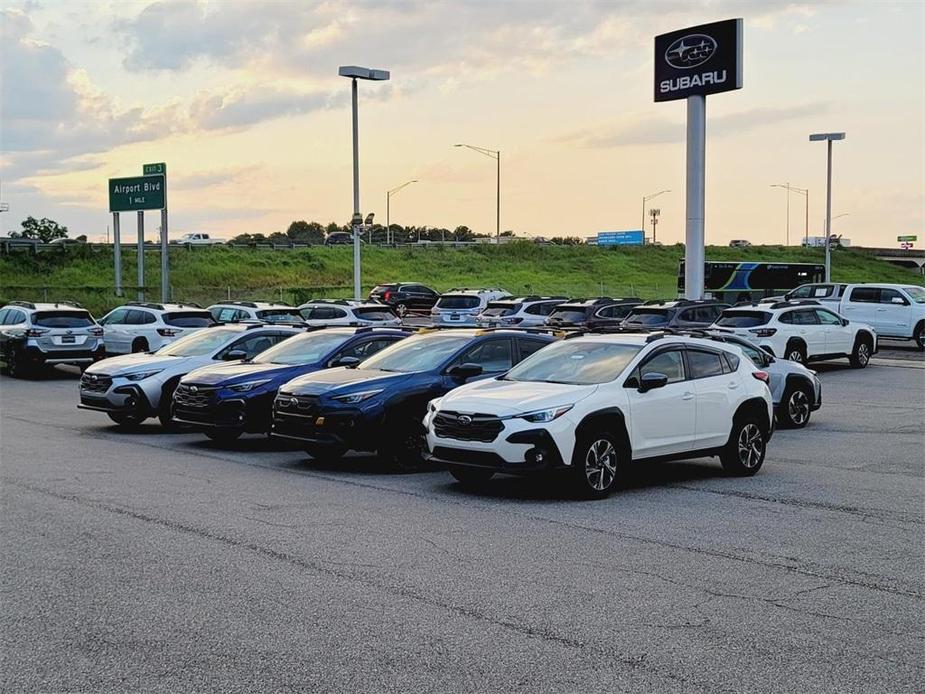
(242, 101)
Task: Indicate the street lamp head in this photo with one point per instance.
(362, 73)
(369, 219)
(818, 137)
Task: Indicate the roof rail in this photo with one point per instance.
(23, 304)
(538, 330)
(186, 304)
(248, 304)
(374, 328)
(144, 304)
(338, 302)
(795, 302)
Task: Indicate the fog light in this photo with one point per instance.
(536, 456)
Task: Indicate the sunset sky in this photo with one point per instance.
(243, 102)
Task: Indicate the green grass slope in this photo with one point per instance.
(206, 275)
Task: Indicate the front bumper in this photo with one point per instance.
(118, 399)
(350, 428)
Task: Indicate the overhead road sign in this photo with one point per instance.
(137, 193)
(152, 169)
(907, 238)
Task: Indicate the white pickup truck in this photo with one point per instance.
(894, 310)
(199, 240)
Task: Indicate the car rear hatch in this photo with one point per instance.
(64, 331)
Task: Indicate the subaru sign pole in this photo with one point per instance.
(689, 64)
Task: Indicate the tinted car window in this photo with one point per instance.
(307, 348)
(62, 319)
(669, 363)
(528, 347)
(14, 317)
(3, 314)
(374, 313)
(542, 309)
(496, 308)
(117, 317)
(752, 353)
(569, 315)
(135, 317)
(704, 364)
(198, 343)
(255, 344)
(648, 316)
(491, 355)
(887, 295)
(867, 295)
(743, 319)
(276, 315)
(189, 319)
(452, 301)
(827, 317)
(805, 317)
(362, 350)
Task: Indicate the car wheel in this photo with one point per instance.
(164, 410)
(796, 352)
(860, 355)
(401, 310)
(919, 336)
(139, 345)
(794, 410)
(744, 453)
(15, 368)
(406, 450)
(471, 477)
(126, 419)
(596, 464)
(223, 436)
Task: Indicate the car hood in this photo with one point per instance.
(505, 398)
(131, 363)
(329, 379)
(240, 371)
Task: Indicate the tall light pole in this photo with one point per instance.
(654, 213)
(646, 198)
(388, 198)
(829, 138)
(493, 154)
(355, 73)
(805, 193)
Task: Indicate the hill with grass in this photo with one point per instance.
(210, 274)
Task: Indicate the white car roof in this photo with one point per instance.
(50, 306)
(642, 339)
(256, 305)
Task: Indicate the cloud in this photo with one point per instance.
(208, 179)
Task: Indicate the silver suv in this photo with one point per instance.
(461, 305)
(520, 311)
(34, 335)
(132, 387)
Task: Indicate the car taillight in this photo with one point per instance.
(34, 332)
(167, 332)
(387, 296)
(762, 376)
(514, 321)
(763, 332)
(96, 332)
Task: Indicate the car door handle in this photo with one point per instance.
(881, 310)
(733, 385)
(687, 396)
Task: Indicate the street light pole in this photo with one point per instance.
(829, 138)
(388, 198)
(493, 154)
(646, 198)
(805, 193)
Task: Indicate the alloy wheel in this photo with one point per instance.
(795, 355)
(601, 465)
(798, 407)
(863, 353)
(751, 446)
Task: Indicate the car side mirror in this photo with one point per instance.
(349, 362)
(235, 355)
(898, 300)
(845, 321)
(651, 381)
(463, 372)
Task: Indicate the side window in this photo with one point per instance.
(827, 317)
(606, 312)
(148, 318)
(3, 314)
(704, 364)
(368, 348)
(752, 354)
(887, 295)
(733, 361)
(528, 347)
(786, 318)
(491, 355)
(134, 317)
(241, 315)
(337, 313)
(805, 317)
(14, 317)
(322, 313)
(117, 317)
(669, 363)
(803, 292)
(865, 295)
(538, 309)
(686, 316)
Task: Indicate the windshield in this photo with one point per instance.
(743, 319)
(302, 349)
(277, 315)
(498, 309)
(63, 319)
(198, 344)
(456, 301)
(917, 294)
(416, 353)
(569, 315)
(374, 313)
(189, 319)
(575, 363)
(648, 316)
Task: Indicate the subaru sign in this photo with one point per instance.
(705, 59)
(635, 237)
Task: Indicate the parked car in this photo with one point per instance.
(39, 334)
(802, 331)
(132, 387)
(580, 312)
(740, 243)
(896, 311)
(593, 404)
(199, 240)
(461, 305)
(520, 311)
(146, 327)
(262, 311)
(227, 400)
(339, 238)
(378, 406)
(404, 296)
(677, 313)
(328, 312)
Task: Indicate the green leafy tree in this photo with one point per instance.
(44, 229)
(305, 232)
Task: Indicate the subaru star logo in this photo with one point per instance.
(193, 389)
(465, 420)
(94, 377)
(293, 401)
(690, 51)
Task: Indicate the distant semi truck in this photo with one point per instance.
(819, 242)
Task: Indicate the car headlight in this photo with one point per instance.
(353, 398)
(142, 375)
(545, 415)
(248, 385)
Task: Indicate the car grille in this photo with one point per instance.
(298, 405)
(93, 383)
(463, 427)
(193, 396)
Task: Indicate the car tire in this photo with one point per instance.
(471, 477)
(795, 407)
(139, 344)
(223, 436)
(165, 407)
(744, 452)
(796, 351)
(597, 465)
(406, 450)
(401, 310)
(126, 419)
(15, 368)
(919, 336)
(860, 355)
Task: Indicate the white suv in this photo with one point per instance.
(594, 403)
(520, 311)
(801, 331)
(462, 305)
(146, 327)
(332, 312)
(262, 311)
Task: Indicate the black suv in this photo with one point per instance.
(674, 313)
(405, 296)
(584, 312)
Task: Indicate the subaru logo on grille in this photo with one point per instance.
(68, 332)
(690, 51)
(94, 377)
(293, 402)
(193, 389)
(465, 420)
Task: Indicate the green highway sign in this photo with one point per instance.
(907, 238)
(137, 193)
(152, 169)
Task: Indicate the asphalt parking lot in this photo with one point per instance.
(161, 562)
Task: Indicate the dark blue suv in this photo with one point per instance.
(227, 400)
(379, 404)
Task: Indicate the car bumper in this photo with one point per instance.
(447, 319)
(349, 428)
(119, 398)
(85, 354)
(232, 413)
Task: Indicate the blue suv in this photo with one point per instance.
(227, 400)
(379, 404)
